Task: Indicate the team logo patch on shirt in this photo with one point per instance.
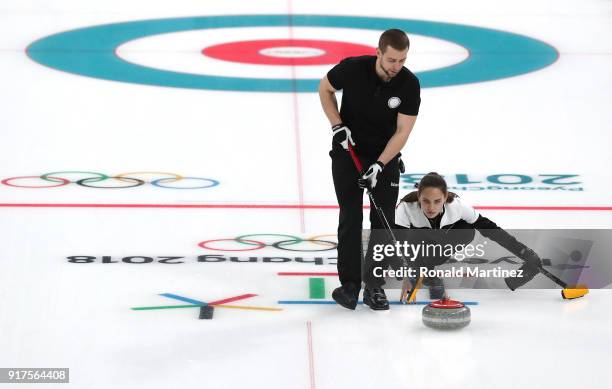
(394, 102)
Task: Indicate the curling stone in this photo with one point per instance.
(446, 314)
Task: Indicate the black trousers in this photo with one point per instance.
(350, 223)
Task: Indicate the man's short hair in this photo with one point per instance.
(394, 38)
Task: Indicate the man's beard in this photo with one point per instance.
(387, 72)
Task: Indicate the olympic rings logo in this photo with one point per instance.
(103, 181)
(282, 242)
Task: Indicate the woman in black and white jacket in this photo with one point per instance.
(432, 206)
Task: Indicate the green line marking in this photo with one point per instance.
(317, 288)
(165, 307)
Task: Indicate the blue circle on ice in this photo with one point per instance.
(90, 51)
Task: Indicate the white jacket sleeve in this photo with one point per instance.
(402, 215)
(468, 213)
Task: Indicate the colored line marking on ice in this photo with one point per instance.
(307, 274)
(316, 287)
(331, 302)
(197, 303)
(286, 206)
(164, 307)
(214, 303)
(232, 299)
(248, 308)
(311, 364)
(184, 299)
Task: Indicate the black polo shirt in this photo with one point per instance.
(369, 105)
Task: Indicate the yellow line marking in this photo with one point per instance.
(247, 307)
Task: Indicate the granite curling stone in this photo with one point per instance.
(446, 314)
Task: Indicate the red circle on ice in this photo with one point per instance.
(287, 51)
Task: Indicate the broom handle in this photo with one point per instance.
(409, 295)
(553, 277)
(355, 159)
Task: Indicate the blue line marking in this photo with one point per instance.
(185, 299)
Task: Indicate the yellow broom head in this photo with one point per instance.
(572, 292)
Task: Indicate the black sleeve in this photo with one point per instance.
(490, 230)
(338, 75)
(411, 99)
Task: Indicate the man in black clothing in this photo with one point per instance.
(380, 103)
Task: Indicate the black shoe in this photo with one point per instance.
(376, 299)
(436, 288)
(346, 295)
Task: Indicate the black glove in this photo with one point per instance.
(530, 268)
(369, 179)
(402, 167)
(528, 273)
(342, 135)
(530, 257)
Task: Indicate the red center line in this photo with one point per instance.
(311, 356)
(286, 206)
(298, 154)
(296, 125)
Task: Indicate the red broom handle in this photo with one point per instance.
(354, 157)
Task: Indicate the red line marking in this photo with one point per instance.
(209, 206)
(285, 206)
(311, 355)
(296, 126)
(298, 154)
(541, 208)
(230, 299)
(289, 273)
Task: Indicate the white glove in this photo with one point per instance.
(342, 135)
(369, 179)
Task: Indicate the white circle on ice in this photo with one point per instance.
(182, 51)
(394, 102)
(292, 52)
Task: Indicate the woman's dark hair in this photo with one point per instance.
(430, 180)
